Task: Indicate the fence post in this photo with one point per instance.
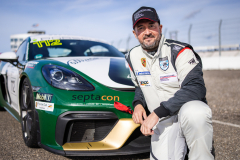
(189, 34)
(119, 43)
(219, 36)
(128, 40)
(173, 35)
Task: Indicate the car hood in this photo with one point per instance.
(109, 71)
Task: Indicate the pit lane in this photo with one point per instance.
(223, 95)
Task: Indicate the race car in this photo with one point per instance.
(64, 90)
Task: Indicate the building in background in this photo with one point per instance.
(17, 39)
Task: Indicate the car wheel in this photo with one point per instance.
(28, 115)
(2, 109)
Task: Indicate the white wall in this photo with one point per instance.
(221, 63)
(228, 60)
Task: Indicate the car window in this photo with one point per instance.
(97, 50)
(21, 52)
(73, 48)
(58, 52)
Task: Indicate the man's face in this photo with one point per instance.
(148, 34)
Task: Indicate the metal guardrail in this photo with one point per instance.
(216, 48)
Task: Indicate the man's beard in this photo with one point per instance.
(152, 46)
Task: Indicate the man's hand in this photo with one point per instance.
(138, 113)
(148, 124)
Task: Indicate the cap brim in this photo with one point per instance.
(142, 19)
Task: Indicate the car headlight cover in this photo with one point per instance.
(56, 74)
(63, 78)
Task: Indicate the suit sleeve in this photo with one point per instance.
(192, 87)
(138, 98)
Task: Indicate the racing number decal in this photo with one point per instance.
(55, 42)
(47, 43)
(38, 43)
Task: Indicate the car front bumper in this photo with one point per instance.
(123, 138)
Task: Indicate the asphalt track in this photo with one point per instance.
(223, 95)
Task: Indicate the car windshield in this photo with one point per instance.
(71, 48)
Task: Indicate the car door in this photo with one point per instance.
(13, 75)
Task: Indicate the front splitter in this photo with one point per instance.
(137, 146)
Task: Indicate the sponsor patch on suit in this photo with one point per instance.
(170, 77)
(142, 73)
(192, 61)
(164, 63)
(143, 61)
(145, 83)
(177, 48)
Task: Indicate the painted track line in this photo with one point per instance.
(225, 123)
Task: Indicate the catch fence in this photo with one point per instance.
(210, 36)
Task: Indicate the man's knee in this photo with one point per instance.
(195, 113)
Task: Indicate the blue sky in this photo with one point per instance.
(109, 20)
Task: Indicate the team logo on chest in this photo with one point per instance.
(164, 63)
(143, 61)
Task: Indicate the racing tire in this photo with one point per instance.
(28, 115)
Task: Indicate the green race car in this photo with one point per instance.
(64, 90)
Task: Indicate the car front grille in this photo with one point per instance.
(90, 130)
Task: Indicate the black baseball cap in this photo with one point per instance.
(145, 13)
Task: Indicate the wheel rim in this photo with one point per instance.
(26, 111)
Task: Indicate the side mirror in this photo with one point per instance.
(12, 58)
(9, 57)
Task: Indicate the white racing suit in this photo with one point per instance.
(170, 83)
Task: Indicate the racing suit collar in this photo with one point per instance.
(158, 53)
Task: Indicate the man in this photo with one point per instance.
(168, 82)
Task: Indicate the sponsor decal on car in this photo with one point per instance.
(38, 56)
(76, 61)
(171, 77)
(44, 106)
(31, 64)
(95, 97)
(91, 104)
(55, 42)
(143, 73)
(44, 97)
(144, 83)
(143, 61)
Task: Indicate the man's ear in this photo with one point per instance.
(160, 27)
(134, 34)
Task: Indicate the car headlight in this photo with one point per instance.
(63, 78)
